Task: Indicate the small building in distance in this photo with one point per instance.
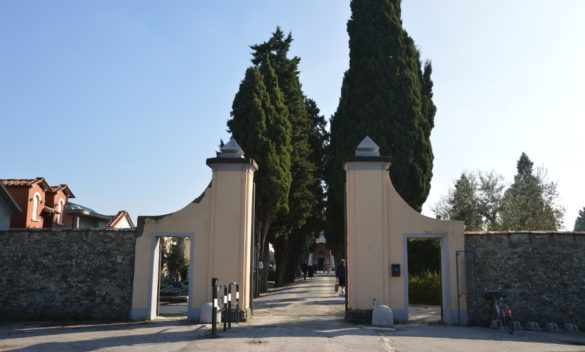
(320, 256)
(81, 217)
(39, 205)
(42, 205)
(8, 207)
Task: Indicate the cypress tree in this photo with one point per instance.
(465, 203)
(387, 96)
(260, 124)
(290, 128)
(529, 203)
(287, 232)
(580, 221)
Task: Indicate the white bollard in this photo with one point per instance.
(383, 316)
(206, 314)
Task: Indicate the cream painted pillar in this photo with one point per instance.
(230, 233)
(379, 224)
(367, 255)
(218, 225)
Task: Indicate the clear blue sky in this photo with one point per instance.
(124, 100)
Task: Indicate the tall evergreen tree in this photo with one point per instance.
(387, 96)
(465, 203)
(462, 203)
(529, 203)
(260, 124)
(287, 230)
(491, 194)
(580, 221)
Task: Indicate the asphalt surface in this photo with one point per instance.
(305, 316)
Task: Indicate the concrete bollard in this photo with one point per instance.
(570, 327)
(551, 326)
(494, 324)
(383, 316)
(206, 314)
(532, 325)
(517, 325)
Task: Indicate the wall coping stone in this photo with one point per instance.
(50, 230)
(577, 233)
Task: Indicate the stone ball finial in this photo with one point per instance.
(231, 150)
(367, 147)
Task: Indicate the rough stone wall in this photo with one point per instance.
(64, 274)
(542, 273)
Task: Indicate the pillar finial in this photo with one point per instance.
(231, 150)
(367, 147)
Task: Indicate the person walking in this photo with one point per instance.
(341, 272)
(305, 268)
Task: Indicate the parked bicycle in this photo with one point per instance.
(503, 310)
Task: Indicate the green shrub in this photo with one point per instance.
(424, 288)
(424, 254)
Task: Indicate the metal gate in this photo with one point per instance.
(466, 264)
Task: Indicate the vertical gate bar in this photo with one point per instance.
(214, 294)
(457, 253)
(229, 311)
(237, 303)
(475, 283)
(224, 307)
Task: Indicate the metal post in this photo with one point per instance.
(229, 309)
(225, 297)
(457, 253)
(237, 303)
(214, 293)
(475, 284)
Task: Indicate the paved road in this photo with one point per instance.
(306, 316)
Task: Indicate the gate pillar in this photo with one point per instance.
(230, 232)
(219, 225)
(379, 224)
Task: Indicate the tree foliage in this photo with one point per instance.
(529, 203)
(173, 258)
(580, 221)
(289, 194)
(387, 95)
(463, 203)
(260, 125)
(490, 196)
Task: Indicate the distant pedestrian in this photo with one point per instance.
(341, 272)
(311, 271)
(305, 268)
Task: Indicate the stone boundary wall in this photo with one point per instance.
(542, 273)
(65, 274)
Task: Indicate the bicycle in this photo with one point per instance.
(503, 310)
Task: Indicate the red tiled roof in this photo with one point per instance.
(63, 188)
(27, 183)
(116, 218)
